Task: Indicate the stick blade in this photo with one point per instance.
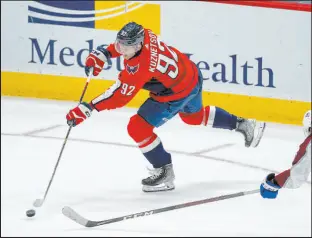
(73, 215)
(38, 203)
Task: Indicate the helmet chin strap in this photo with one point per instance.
(128, 56)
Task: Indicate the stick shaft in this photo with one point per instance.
(73, 215)
(65, 140)
(173, 207)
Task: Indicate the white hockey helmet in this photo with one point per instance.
(307, 123)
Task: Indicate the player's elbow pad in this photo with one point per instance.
(105, 52)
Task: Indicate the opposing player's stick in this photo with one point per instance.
(39, 202)
(71, 214)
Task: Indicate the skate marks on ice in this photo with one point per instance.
(197, 154)
(35, 131)
(187, 192)
(214, 148)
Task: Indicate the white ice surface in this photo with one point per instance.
(100, 174)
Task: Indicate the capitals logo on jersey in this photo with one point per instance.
(132, 69)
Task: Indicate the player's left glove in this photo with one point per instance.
(79, 114)
(269, 188)
(96, 60)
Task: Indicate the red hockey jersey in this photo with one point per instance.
(163, 70)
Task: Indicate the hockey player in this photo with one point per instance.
(298, 173)
(175, 85)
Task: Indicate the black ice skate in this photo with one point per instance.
(251, 129)
(161, 179)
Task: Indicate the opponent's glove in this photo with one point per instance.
(79, 114)
(269, 188)
(96, 60)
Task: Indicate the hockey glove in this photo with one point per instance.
(79, 114)
(269, 188)
(96, 60)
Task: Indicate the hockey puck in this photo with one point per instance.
(31, 213)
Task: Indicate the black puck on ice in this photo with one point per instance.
(31, 213)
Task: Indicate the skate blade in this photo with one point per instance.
(158, 188)
(258, 133)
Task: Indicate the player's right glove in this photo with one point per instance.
(79, 114)
(269, 188)
(96, 60)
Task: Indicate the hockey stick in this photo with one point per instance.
(71, 214)
(38, 202)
